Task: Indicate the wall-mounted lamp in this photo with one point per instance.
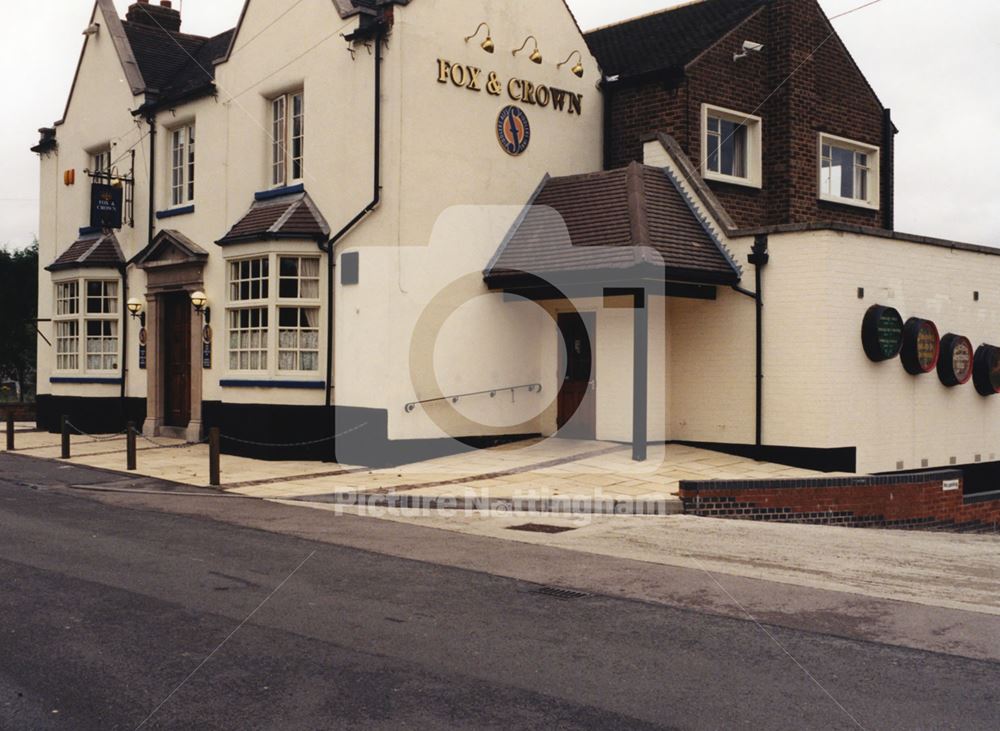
(92, 30)
(536, 55)
(135, 309)
(578, 69)
(199, 299)
(488, 44)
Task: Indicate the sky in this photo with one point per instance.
(933, 63)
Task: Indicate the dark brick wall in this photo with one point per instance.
(821, 93)
(898, 501)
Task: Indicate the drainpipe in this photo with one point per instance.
(329, 247)
(759, 257)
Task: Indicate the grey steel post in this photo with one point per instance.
(213, 457)
(64, 423)
(130, 447)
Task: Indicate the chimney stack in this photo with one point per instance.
(144, 13)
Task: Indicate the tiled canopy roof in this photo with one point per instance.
(667, 40)
(598, 226)
(289, 216)
(90, 251)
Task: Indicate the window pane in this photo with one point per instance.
(843, 172)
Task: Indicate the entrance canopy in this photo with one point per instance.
(632, 227)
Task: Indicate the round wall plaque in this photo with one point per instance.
(986, 370)
(882, 333)
(921, 346)
(513, 130)
(955, 364)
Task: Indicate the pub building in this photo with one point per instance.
(401, 226)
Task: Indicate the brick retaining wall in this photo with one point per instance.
(22, 411)
(891, 501)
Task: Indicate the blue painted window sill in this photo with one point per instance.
(171, 212)
(86, 380)
(266, 195)
(303, 385)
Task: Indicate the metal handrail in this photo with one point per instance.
(531, 387)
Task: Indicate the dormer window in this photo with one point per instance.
(731, 146)
(287, 139)
(848, 172)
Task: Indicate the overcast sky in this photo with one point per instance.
(933, 63)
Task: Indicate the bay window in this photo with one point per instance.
(88, 307)
(273, 314)
(287, 139)
(848, 172)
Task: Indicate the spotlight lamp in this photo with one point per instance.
(488, 45)
(578, 69)
(536, 55)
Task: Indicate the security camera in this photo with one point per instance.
(748, 48)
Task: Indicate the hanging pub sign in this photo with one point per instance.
(882, 333)
(106, 206)
(986, 370)
(955, 364)
(921, 346)
(142, 349)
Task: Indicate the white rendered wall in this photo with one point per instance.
(822, 391)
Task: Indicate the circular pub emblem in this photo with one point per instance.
(882, 333)
(986, 370)
(513, 130)
(921, 346)
(955, 365)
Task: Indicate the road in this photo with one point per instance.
(114, 615)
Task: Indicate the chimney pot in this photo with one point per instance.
(148, 15)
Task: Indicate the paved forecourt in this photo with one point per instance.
(535, 471)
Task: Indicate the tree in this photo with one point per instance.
(18, 310)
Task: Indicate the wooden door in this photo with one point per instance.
(577, 398)
(176, 349)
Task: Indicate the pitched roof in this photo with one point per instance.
(668, 40)
(90, 251)
(174, 64)
(169, 248)
(290, 215)
(635, 217)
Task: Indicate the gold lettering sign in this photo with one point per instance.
(470, 78)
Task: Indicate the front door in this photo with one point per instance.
(177, 359)
(577, 398)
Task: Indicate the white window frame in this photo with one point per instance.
(754, 126)
(872, 201)
(182, 150)
(272, 304)
(287, 138)
(74, 311)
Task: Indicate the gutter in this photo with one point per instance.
(373, 29)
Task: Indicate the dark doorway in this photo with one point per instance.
(176, 359)
(577, 418)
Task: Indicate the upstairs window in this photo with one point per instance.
(288, 134)
(182, 166)
(100, 162)
(731, 146)
(848, 172)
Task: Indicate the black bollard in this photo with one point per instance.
(213, 457)
(64, 422)
(10, 430)
(130, 448)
